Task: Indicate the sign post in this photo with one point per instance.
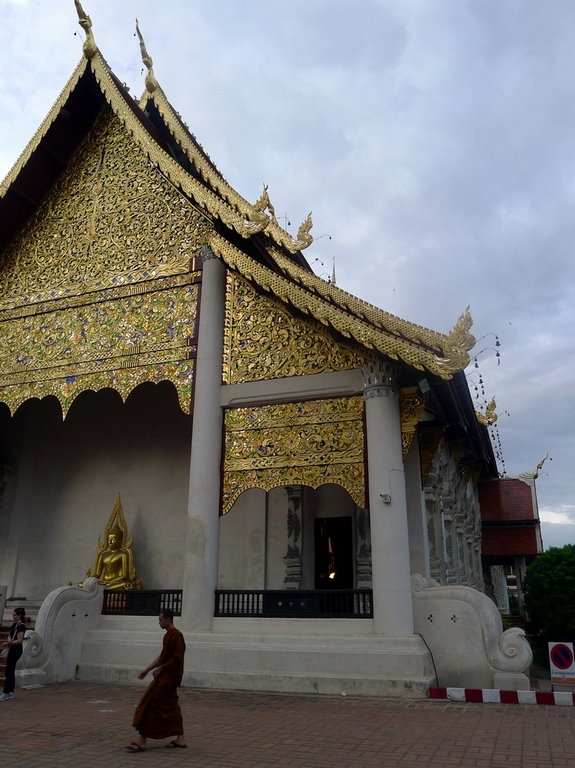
(562, 663)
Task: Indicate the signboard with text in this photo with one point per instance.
(562, 663)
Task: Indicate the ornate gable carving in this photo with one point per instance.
(111, 217)
(99, 288)
(263, 340)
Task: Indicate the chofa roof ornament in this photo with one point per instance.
(304, 239)
(85, 22)
(456, 346)
(264, 204)
(151, 82)
(490, 416)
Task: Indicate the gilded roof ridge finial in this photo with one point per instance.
(151, 82)
(490, 416)
(540, 466)
(459, 336)
(85, 22)
(304, 239)
(264, 204)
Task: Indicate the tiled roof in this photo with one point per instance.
(198, 179)
(510, 541)
(507, 498)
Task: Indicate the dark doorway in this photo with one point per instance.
(333, 553)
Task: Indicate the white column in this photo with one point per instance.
(202, 540)
(392, 602)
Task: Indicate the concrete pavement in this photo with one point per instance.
(87, 725)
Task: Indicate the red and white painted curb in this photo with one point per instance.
(492, 696)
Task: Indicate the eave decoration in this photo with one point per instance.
(99, 286)
(263, 340)
(309, 443)
(412, 406)
(374, 329)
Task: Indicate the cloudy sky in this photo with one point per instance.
(434, 141)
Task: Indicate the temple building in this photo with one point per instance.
(511, 536)
(298, 466)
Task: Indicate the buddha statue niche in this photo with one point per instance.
(114, 566)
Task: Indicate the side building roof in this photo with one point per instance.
(510, 518)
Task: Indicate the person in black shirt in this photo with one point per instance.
(15, 648)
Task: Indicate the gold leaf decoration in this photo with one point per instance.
(263, 340)
(100, 286)
(111, 214)
(310, 298)
(310, 443)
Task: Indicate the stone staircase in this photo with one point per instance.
(30, 606)
(514, 620)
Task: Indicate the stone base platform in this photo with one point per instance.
(304, 656)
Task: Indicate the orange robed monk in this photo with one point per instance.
(158, 715)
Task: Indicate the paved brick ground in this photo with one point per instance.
(85, 725)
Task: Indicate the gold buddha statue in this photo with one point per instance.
(114, 566)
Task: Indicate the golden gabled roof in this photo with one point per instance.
(255, 214)
(375, 329)
(36, 139)
(220, 201)
(256, 219)
(371, 327)
(352, 317)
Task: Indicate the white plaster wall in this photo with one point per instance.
(70, 472)
(253, 536)
(6, 496)
(242, 543)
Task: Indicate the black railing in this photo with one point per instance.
(141, 602)
(300, 603)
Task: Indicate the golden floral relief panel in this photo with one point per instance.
(263, 339)
(111, 213)
(128, 325)
(308, 443)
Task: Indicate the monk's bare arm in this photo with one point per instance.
(153, 665)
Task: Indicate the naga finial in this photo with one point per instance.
(151, 82)
(85, 22)
(540, 466)
(490, 416)
(264, 204)
(304, 239)
(460, 336)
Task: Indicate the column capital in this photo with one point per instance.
(380, 378)
(207, 253)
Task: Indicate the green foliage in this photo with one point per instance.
(549, 591)
(540, 650)
(513, 605)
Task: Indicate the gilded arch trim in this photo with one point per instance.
(309, 443)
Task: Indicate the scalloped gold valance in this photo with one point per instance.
(310, 443)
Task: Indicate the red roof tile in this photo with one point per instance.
(509, 541)
(507, 499)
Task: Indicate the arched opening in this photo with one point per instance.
(295, 537)
(65, 476)
(333, 553)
